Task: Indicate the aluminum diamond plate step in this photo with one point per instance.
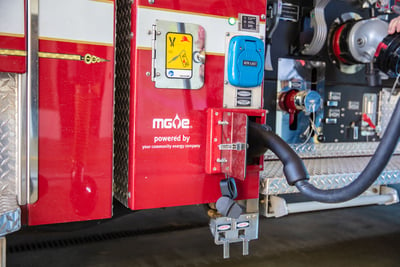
(325, 173)
(10, 213)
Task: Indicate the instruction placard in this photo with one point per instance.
(179, 47)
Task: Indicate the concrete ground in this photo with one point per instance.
(363, 236)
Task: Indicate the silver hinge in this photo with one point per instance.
(153, 52)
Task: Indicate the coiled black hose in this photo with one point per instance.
(296, 173)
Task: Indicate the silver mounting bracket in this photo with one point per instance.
(228, 230)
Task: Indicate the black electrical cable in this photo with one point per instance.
(296, 173)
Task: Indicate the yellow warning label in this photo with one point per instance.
(179, 51)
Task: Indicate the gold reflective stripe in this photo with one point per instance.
(87, 58)
(59, 56)
(12, 52)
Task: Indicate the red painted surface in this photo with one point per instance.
(168, 166)
(225, 8)
(8, 63)
(75, 135)
(215, 137)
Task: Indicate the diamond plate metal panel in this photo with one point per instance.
(9, 209)
(122, 94)
(332, 150)
(327, 173)
(387, 103)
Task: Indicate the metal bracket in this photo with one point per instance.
(275, 206)
(227, 230)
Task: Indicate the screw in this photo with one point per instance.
(215, 140)
(216, 113)
(228, 139)
(227, 34)
(158, 74)
(215, 168)
(263, 16)
(158, 33)
(148, 73)
(225, 82)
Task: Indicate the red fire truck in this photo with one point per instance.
(162, 103)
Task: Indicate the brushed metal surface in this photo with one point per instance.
(32, 100)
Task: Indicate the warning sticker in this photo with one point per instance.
(179, 47)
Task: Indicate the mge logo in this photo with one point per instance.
(167, 123)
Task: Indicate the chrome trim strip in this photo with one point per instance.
(21, 170)
(32, 98)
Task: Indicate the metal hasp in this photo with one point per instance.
(243, 229)
(227, 141)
